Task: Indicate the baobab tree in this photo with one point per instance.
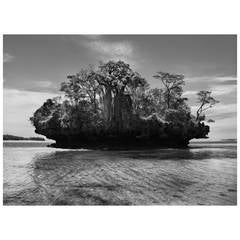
(118, 81)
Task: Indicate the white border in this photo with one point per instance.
(116, 17)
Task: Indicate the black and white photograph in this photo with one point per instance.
(120, 120)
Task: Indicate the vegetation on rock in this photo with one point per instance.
(113, 106)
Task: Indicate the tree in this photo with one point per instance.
(120, 83)
(173, 84)
(112, 91)
(153, 102)
(137, 89)
(206, 101)
(83, 86)
(113, 104)
(47, 117)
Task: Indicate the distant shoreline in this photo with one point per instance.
(7, 137)
(28, 141)
(216, 141)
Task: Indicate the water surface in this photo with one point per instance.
(203, 174)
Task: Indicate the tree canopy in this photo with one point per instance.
(113, 100)
(206, 101)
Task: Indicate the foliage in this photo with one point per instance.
(206, 101)
(173, 84)
(113, 100)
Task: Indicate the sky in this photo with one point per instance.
(35, 65)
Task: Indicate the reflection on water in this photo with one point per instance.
(204, 174)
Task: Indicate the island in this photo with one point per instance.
(8, 137)
(113, 107)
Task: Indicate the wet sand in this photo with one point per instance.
(204, 174)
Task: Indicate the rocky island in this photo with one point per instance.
(114, 107)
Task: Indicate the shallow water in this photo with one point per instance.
(203, 174)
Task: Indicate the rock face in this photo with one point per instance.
(128, 131)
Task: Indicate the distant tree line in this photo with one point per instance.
(12, 137)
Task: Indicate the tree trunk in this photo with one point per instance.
(122, 111)
(117, 111)
(107, 101)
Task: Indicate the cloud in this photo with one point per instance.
(219, 111)
(225, 115)
(7, 57)
(219, 90)
(189, 93)
(42, 84)
(104, 49)
(230, 80)
(28, 84)
(219, 80)
(224, 88)
(113, 50)
(18, 107)
(223, 109)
